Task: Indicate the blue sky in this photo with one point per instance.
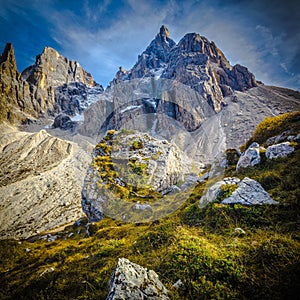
(263, 35)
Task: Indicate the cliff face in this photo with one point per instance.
(52, 69)
(47, 87)
(17, 101)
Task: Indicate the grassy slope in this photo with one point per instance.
(195, 245)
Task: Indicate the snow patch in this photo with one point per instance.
(131, 107)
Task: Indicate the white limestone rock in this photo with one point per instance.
(279, 150)
(250, 157)
(130, 281)
(249, 192)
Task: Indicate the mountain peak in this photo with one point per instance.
(9, 55)
(164, 31)
(48, 49)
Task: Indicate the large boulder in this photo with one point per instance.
(249, 192)
(249, 158)
(130, 281)
(129, 162)
(279, 150)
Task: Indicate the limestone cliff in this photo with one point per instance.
(17, 101)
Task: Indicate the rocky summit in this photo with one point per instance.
(194, 61)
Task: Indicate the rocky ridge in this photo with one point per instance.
(194, 80)
(41, 179)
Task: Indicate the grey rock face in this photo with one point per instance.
(17, 100)
(249, 192)
(190, 64)
(213, 191)
(61, 84)
(152, 61)
(64, 122)
(130, 281)
(194, 61)
(70, 98)
(279, 150)
(250, 157)
(52, 69)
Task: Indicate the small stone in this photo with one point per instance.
(239, 231)
(178, 284)
(50, 270)
(27, 250)
(139, 206)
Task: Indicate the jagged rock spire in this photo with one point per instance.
(8, 55)
(164, 31)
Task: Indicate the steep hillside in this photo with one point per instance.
(218, 252)
(41, 179)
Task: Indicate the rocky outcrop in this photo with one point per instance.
(213, 191)
(249, 158)
(137, 162)
(287, 135)
(130, 281)
(279, 150)
(249, 192)
(245, 192)
(64, 122)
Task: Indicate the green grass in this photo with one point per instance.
(198, 246)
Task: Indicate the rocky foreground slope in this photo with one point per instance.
(40, 185)
(220, 251)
